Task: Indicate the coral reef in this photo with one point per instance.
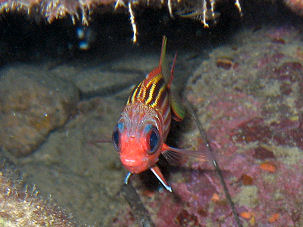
(32, 103)
(22, 205)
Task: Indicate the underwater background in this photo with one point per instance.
(63, 86)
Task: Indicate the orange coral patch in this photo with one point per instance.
(268, 166)
(246, 215)
(215, 197)
(273, 218)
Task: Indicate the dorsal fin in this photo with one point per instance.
(170, 79)
(163, 51)
(177, 108)
(163, 66)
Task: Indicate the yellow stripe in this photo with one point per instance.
(153, 83)
(142, 91)
(135, 93)
(132, 98)
(162, 89)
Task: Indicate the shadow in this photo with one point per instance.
(139, 211)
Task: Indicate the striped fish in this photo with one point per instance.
(144, 123)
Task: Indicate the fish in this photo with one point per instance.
(144, 123)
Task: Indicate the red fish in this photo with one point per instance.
(144, 123)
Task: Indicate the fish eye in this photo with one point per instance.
(116, 135)
(154, 140)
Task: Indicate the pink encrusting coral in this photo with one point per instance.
(228, 112)
(256, 138)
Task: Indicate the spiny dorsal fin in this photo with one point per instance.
(163, 63)
(177, 108)
(163, 51)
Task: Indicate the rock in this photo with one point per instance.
(33, 102)
(107, 78)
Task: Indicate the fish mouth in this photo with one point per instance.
(133, 166)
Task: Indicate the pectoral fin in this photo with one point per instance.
(175, 155)
(160, 177)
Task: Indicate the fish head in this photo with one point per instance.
(138, 140)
